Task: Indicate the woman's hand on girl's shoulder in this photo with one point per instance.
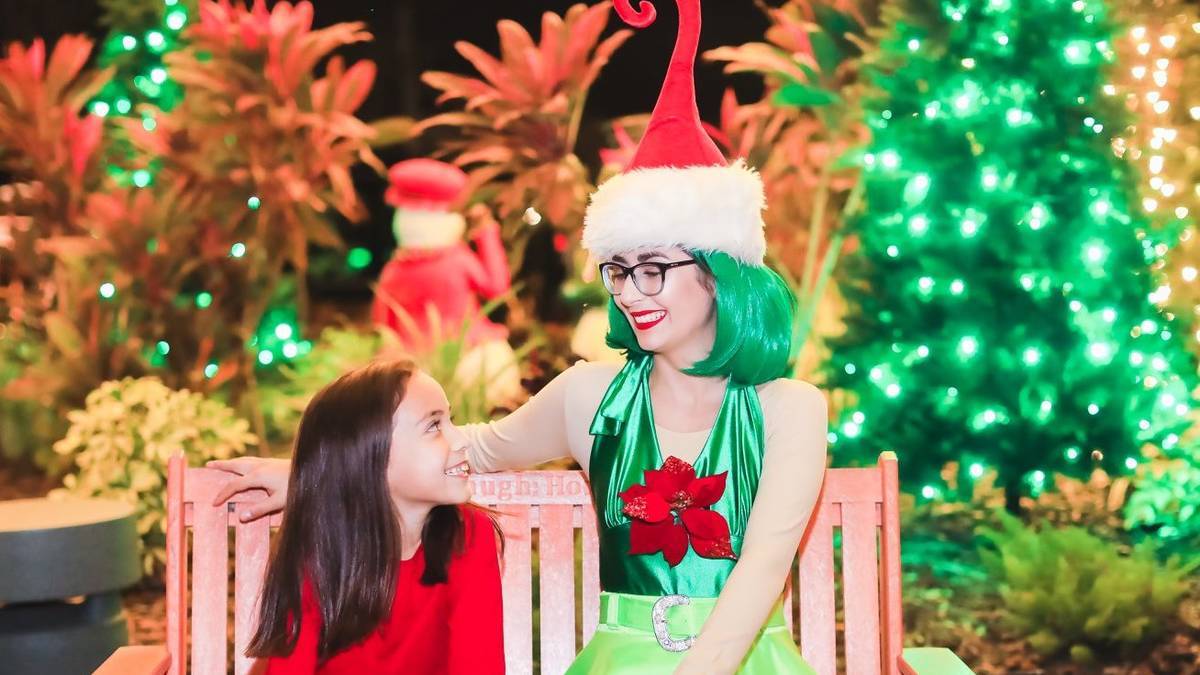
(255, 473)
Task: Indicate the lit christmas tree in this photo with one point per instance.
(140, 33)
(1000, 313)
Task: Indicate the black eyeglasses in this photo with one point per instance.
(648, 277)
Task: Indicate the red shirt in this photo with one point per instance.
(444, 629)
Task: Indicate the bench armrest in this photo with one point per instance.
(141, 660)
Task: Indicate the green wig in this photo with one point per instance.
(755, 315)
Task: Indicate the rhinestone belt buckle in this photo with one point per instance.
(658, 617)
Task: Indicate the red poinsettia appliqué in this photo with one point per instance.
(672, 511)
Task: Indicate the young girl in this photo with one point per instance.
(379, 566)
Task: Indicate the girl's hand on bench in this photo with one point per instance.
(255, 473)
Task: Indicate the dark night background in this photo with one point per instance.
(412, 37)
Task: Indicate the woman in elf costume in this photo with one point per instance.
(704, 460)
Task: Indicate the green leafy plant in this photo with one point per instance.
(469, 397)
(468, 394)
(1069, 590)
(284, 394)
(263, 143)
(121, 441)
(1166, 498)
(1094, 504)
(28, 428)
(940, 612)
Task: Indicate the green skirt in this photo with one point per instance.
(624, 643)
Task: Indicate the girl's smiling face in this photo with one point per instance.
(428, 462)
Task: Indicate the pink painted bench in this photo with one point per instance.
(555, 508)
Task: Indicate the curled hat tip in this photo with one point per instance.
(641, 17)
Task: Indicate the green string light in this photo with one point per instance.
(135, 53)
(358, 258)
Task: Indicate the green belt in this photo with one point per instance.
(634, 612)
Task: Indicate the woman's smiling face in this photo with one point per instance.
(677, 317)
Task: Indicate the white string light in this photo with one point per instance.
(1153, 91)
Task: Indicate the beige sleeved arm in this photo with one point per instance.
(793, 467)
(552, 424)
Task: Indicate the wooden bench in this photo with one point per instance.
(555, 507)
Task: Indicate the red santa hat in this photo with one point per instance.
(425, 185)
(427, 194)
(679, 190)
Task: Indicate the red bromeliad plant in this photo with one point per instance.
(175, 277)
(41, 100)
(53, 330)
(266, 145)
(258, 130)
(50, 148)
(92, 269)
(517, 132)
(90, 272)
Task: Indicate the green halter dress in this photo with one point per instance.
(649, 607)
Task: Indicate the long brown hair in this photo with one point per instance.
(340, 529)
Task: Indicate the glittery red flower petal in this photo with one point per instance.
(713, 548)
(666, 536)
(706, 491)
(634, 491)
(676, 466)
(649, 507)
(675, 546)
(674, 477)
(709, 533)
(705, 524)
